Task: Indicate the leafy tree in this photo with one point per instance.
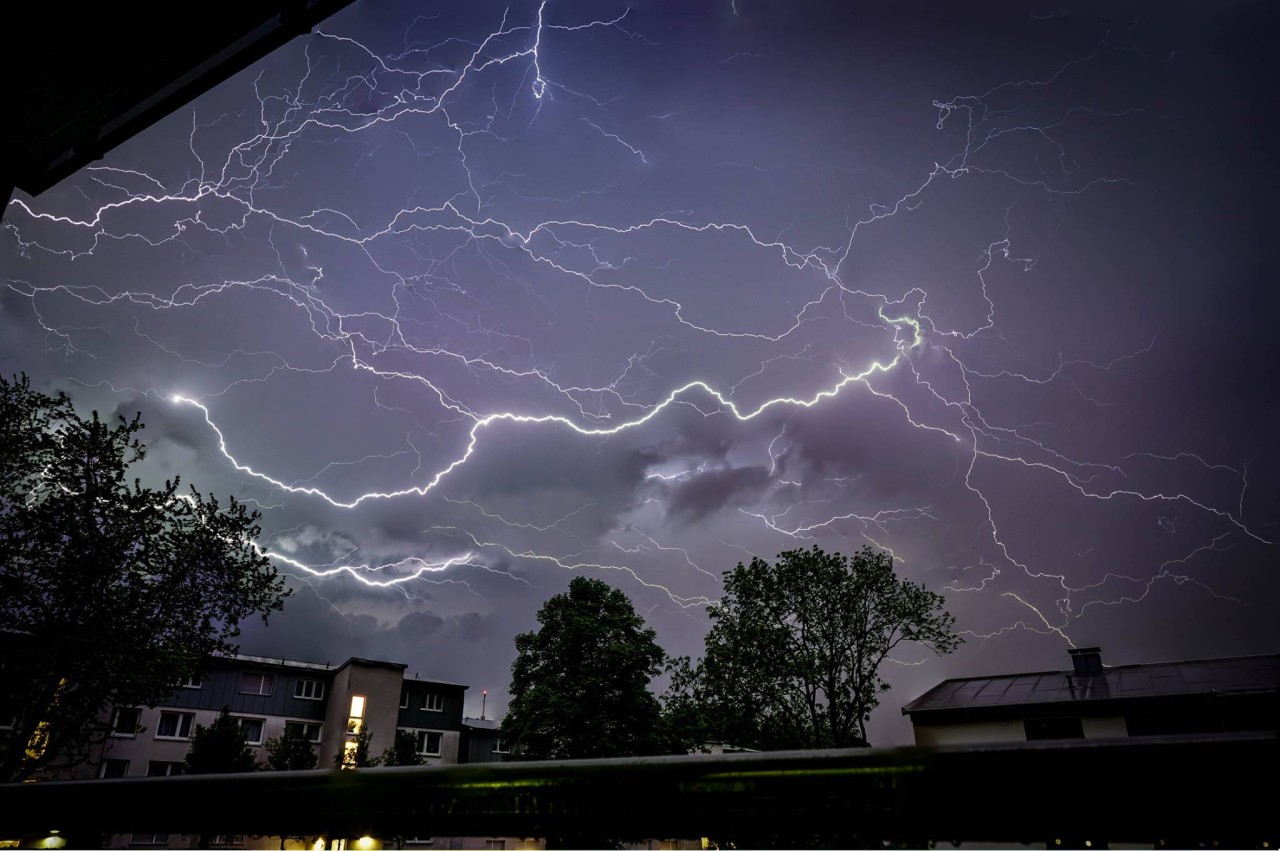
(793, 656)
(219, 748)
(580, 683)
(357, 757)
(291, 752)
(111, 592)
(404, 751)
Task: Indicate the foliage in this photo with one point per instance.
(117, 591)
(404, 751)
(219, 748)
(580, 683)
(359, 756)
(793, 656)
(292, 751)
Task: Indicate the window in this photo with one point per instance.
(192, 682)
(310, 730)
(175, 725)
(355, 720)
(500, 746)
(432, 702)
(149, 839)
(228, 839)
(428, 743)
(113, 768)
(163, 769)
(126, 721)
(404, 699)
(309, 689)
(252, 729)
(1053, 728)
(257, 683)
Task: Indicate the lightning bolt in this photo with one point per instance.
(427, 326)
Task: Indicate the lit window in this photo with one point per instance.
(175, 725)
(432, 702)
(355, 720)
(310, 731)
(164, 769)
(257, 683)
(428, 743)
(113, 768)
(125, 722)
(349, 754)
(252, 730)
(309, 689)
(500, 746)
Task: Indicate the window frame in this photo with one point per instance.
(266, 681)
(189, 717)
(319, 725)
(302, 686)
(115, 722)
(169, 771)
(102, 769)
(262, 728)
(423, 736)
(500, 746)
(431, 697)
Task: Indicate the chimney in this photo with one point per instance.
(1086, 660)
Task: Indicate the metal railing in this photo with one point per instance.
(1204, 790)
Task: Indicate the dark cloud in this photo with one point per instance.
(985, 289)
(715, 490)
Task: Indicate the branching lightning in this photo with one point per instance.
(416, 323)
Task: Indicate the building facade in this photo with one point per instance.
(1092, 701)
(330, 705)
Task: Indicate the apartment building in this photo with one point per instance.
(330, 704)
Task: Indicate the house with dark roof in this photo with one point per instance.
(1093, 701)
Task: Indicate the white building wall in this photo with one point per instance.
(1105, 727)
(976, 732)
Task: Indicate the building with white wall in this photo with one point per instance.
(1093, 701)
(332, 705)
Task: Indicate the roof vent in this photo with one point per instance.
(1086, 660)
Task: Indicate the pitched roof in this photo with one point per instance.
(1236, 675)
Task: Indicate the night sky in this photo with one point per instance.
(471, 298)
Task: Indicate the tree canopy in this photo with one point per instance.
(110, 592)
(580, 683)
(292, 751)
(794, 653)
(219, 748)
(404, 751)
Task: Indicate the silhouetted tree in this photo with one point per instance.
(292, 751)
(404, 751)
(580, 683)
(794, 652)
(357, 757)
(116, 592)
(219, 748)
